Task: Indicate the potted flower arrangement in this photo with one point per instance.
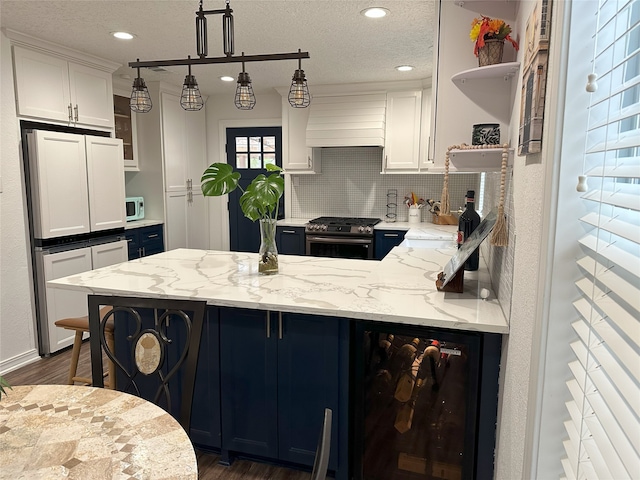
(489, 36)
(258, 202)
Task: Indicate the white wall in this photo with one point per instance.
(222, 113)
(17, 329)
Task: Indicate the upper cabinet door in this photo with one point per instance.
(58, 170)
(402, 133)
(42, 85)
(91, 95)
(105, 173)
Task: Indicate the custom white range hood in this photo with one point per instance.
(347, 121)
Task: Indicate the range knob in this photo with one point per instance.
(361, 229)
(368, 229)
(324, 228)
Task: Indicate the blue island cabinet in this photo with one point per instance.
(278, 372)
(205, 407)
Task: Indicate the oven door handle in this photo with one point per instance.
(340, 240)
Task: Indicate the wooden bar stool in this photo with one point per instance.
(81, 325)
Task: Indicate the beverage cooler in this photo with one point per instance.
(425, 403)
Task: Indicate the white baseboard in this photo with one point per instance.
(18, 361)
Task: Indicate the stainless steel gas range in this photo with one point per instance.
(340, 237)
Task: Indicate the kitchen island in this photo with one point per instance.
(399, 289)
(276, 348)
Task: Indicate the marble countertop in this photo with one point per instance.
(145, 222)
(76, 432)
(400, 288)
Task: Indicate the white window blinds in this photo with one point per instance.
(604, 406)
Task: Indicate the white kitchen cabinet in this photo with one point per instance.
(105, 178)
(52, 88)
(56, 162)
(77, 182)
(187, 225)
(66, 303)
(110, 253)
(184, 144)
(402, 131)
(296, 156)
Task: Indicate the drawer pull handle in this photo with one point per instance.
(288, 231)
(394, 235)
(153, 235)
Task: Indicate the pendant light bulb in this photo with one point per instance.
(245, 99)
(140, 101)
(191, 100)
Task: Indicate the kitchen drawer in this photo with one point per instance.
(385, 240)
(290, 240)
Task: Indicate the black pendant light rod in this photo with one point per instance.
(226, 59)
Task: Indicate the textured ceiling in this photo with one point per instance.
(344, 46)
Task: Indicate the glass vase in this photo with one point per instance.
(268, 253)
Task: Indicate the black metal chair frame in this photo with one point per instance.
(165, 309)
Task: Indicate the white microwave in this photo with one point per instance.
(134, 208)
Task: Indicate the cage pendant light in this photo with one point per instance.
(245, 99)
(299, 96)
(140, 101)
(191, 100)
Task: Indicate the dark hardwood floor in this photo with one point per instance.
(55, 370)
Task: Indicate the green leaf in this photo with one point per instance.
(3, 384)
(273, 168)
(261, 197)
(219, 179)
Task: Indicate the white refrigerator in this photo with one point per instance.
(77, 216)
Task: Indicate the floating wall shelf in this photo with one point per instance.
(491, 8)
(485, 86)
(481, 160)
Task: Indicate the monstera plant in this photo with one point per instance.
(258, 202)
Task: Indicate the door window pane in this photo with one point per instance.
(269, 158)
(242, 160)
(241, 144)
(269, 144)
(255, 144)
(256, 160)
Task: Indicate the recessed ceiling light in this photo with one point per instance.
(404, 68)
(226, 78)
(122, 35)
(375, 12)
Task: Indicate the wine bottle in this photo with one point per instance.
(467, 223)
(402, 360)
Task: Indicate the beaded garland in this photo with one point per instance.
(499, 236)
